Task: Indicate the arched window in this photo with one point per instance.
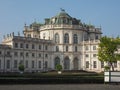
(56, 61)
(75, 39)
(75, 63)
(66, 38)
(56, 38)
(66, 63)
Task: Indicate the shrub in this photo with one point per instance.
(58, 67)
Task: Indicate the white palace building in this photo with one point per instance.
(62, 39)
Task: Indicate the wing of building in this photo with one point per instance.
(62, 39)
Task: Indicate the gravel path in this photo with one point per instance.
(61, 87)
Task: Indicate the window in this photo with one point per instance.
(57, 49)
(21, 62)
(86, 47)
(33, 54)
(40, 47)
(102, 64)
(21, 53)
(8, 64)
(15, 54)
(94, 55)
(27, 46)
(26, 63)
(21, 45)
(75, 39)
(39, 54)
(87, 64)
(46, 47)
(96, 37)
(16, 45)
(115, 64)
(46, 64)
(39, 64)
(0, 52)
(66, 38)
(46, 55)
(75, 48)
(94, 47)
(15, 63)
(27, 54)
(32, 64)
(56, 38)
(33, 46)
(94, 64)
(8, 53)
(29, 35)
(86, 55)
(66, 48)
(0, 64)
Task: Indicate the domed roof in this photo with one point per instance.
(63, 14)
(62, 18)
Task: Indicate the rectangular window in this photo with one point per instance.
(86, 55)
(102, 64)
(21, 53)
(8, 64)
(21, 62)
(26, 63)
(87, 64)
(66, 48)
(33, 46)
(40, 47)
(33, 54)
(94, 64)
(96, 37)
(15, 54)
(21, 45)
(46, 47)
(75, 48)
(39, 64)
(0, 52)
(8, 53)
(39, 55)
(15, 64)
(86, 47)
(0, 64)
(46, 55)
(16, 45)
(94, 55)
(46, 64)
(27, 46)
(32, 64)
(115, 64)
(27, 54)
(94, 47)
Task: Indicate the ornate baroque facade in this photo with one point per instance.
(62, 39)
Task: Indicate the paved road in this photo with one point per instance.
(61, 87)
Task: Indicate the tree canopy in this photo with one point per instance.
(108, 50)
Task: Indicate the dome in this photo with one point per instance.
(62, 18)
(63, 14)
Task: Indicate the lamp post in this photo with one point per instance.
(43, 53)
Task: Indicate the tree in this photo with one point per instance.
(108, 50)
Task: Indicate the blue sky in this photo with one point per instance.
(15, 13)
